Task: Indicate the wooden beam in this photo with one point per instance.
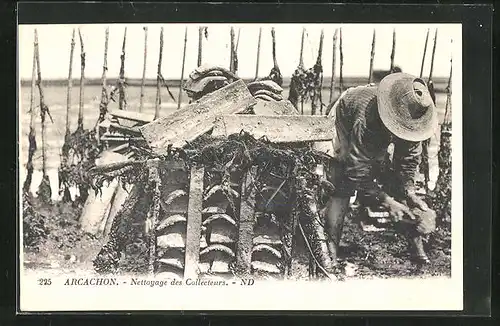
(131, 115)
(279, 129)
(124, 129)
(194, 219)
(284, 107)
(196, 118)
(246, 223)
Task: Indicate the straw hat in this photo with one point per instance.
(406, 108)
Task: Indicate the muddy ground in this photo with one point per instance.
(365, 254)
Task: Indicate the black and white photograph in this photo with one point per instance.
(240, 166)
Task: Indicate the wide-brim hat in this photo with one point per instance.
(406, 107)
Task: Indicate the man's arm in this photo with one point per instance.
(359, 176)
(407, 157)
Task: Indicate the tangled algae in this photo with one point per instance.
(236, 153)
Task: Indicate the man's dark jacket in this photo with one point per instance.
(362, 143)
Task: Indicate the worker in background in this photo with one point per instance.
(368, 118)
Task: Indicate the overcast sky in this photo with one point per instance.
(54, 47)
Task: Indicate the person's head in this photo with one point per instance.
(406, 107)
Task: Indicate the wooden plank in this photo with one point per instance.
(279, 129)
(193, 229)
(197, 118)
(131, 115)
(284, 107)
(117, 127)
(246, 224)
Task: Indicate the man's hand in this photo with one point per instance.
(397, 211)
(414, 200)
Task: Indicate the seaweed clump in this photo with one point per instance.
(223, 156)
(79, 152)
(34, 229)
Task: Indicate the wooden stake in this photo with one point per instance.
(82, 82)
(424, 165)
(301, 55)
(320, 49)
(42, 104)
(319, 85)
(200, 44)
(237, 41)
(258, 54)
(433, 55)
(44, 189)
(33, 83)
(334, 57)
(232, 63)
(32, 133)
(320, 65)
(444, 157)
(141, 105)
(275, 74)
(104, 92)
(300, 99)
(70, 85)
(425, 52)
(447, 110)
(158, 78)
(154, 176)
(372, 56)
(121, 83)
(275, 61)
(103, 106)
(341, 79)
(182, 70)
(63, 186)
(393, 52)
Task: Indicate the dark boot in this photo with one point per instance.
(334, 216)
(417, 251)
